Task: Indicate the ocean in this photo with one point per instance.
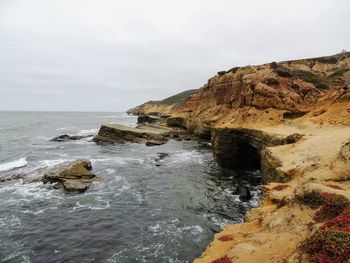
(141, 210)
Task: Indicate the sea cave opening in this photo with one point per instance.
(248, 156)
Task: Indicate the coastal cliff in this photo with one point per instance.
(291, 120)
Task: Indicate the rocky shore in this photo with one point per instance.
(291, 120)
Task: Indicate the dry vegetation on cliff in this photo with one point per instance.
(296, 115)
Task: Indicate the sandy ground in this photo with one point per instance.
(273, 234)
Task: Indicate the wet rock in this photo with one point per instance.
(155, 143)
(244, 193)
(12, 178)
(113, 133)
(66, 137)
(73, 177)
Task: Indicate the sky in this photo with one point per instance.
(111, 55)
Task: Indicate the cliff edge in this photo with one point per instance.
(290, 119)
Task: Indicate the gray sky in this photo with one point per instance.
(110, 55)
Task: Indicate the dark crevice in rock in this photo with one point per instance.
(246, 148)
(293, 115)
(247, 156)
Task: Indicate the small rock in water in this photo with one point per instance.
(244, 193)
(66, 137)
(161, 156)
(155, 143)
(73, 177)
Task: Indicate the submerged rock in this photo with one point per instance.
(119, 133)
(161, 156)
(244, 193)
(73, 177)
(155, 143)
(66, 137)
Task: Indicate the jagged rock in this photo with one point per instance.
(221, 73)
(73, 177)
(66, 137)
(119, 133)
(283, 72)
(146, 119)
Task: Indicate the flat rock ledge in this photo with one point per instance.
(72, 177)
(116, 133)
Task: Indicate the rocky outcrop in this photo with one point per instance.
(142, 119)
(178, 122)
(67, 137)
(248, 148)
(154, 108)
(291, 119)
(116, 133)
(72, 177)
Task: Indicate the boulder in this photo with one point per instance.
(66, 137)
(73, 177)
(113, 133)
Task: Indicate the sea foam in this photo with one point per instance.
(13, 165)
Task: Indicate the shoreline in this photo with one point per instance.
(292, 117)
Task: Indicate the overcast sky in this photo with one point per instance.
(110, 55)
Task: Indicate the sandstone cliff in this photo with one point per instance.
(292, 120)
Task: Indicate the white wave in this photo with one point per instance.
(12, 165)
(111, 116)
(88, 131)
(102, 204)
(192, 156)
(111, 171)
(122, 189)
(118, 160)
(49, 163)
(29, 192)
(33, 212)
(194, 230)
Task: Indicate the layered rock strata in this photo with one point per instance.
(72, 177)
(291, 119)
(116, 133)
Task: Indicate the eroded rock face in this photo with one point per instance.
(178, 122)
(247, 148)
(73, 177)
(115, 133)
(146, 119)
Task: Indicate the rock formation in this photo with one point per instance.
(73, 177)
(292, 120)
(116, 133)
(66, 137)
